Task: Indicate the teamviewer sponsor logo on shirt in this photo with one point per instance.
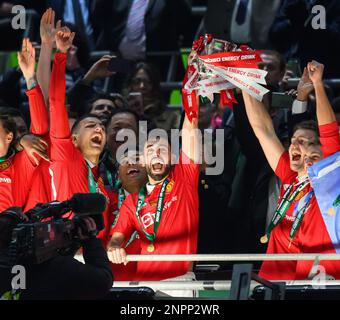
(6, 180)
(168, 204)
(148, 220)
(290, 218)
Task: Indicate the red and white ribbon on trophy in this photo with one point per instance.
(221, 73)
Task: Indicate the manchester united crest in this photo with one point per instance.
(5, 165)
(170, 186)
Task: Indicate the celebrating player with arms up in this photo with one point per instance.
(165, 211)
(297, 225)
(74, 155)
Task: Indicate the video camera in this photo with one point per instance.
(45, 233)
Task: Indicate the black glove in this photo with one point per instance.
(86, 228)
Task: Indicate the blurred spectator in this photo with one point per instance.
(103, 105)
(144, 79)
(10, 87)
(293, 34)
(76, 12)
(134, 27)
(215, 190)
(241, 21)
(78, 58)
(84, 89)
(121, 120)
(274, 63)
(14, 37)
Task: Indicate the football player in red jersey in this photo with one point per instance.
(297, 225)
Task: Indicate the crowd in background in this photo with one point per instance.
(236, 206)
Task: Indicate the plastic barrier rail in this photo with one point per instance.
(234, 257)
(214, 285)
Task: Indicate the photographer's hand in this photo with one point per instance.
(87, 229)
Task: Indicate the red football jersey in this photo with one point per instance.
(127, 272)
(312, 235)
(16, 175)
(178, 228)
(15, 180)
(68, 168)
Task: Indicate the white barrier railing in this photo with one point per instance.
(234, 257)
(213, 285)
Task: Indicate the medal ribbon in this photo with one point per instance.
(93, 186)
(109, 178)
(284, 205)
(299, 217)
(121, 198)
(3, 159)
(159, 210)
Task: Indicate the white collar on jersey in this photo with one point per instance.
(302, 179)
(150, 188)
(91, 165)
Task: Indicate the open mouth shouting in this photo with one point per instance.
(97, 140)
(157, 166)
(132, 172)
(296, 157)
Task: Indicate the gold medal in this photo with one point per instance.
(331, 212)
(264, 239)
(151, 248)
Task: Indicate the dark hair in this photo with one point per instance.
(279, 56)
(124, 111)
(9, 126)
(85, 116)
(12, 112)
(308, 125)
(107, 96)
(152, 73)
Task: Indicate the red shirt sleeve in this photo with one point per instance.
(24, 170)
(63, 150)
(38, 112)
(124, 223)
(187, 169)
(283, 170)
(58, 114)
(329, 138)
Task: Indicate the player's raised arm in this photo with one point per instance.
(263, 127)
(47, 36)
(58, 113)
(324, 110)
(38, 112)
(190, 139)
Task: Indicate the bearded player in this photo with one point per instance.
(297, 225)
(165, 210)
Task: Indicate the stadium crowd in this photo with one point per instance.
(65, 106)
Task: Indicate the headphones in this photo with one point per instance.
(16, 214)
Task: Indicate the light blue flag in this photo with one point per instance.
(325, 179)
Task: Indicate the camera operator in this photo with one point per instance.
(62, 277)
